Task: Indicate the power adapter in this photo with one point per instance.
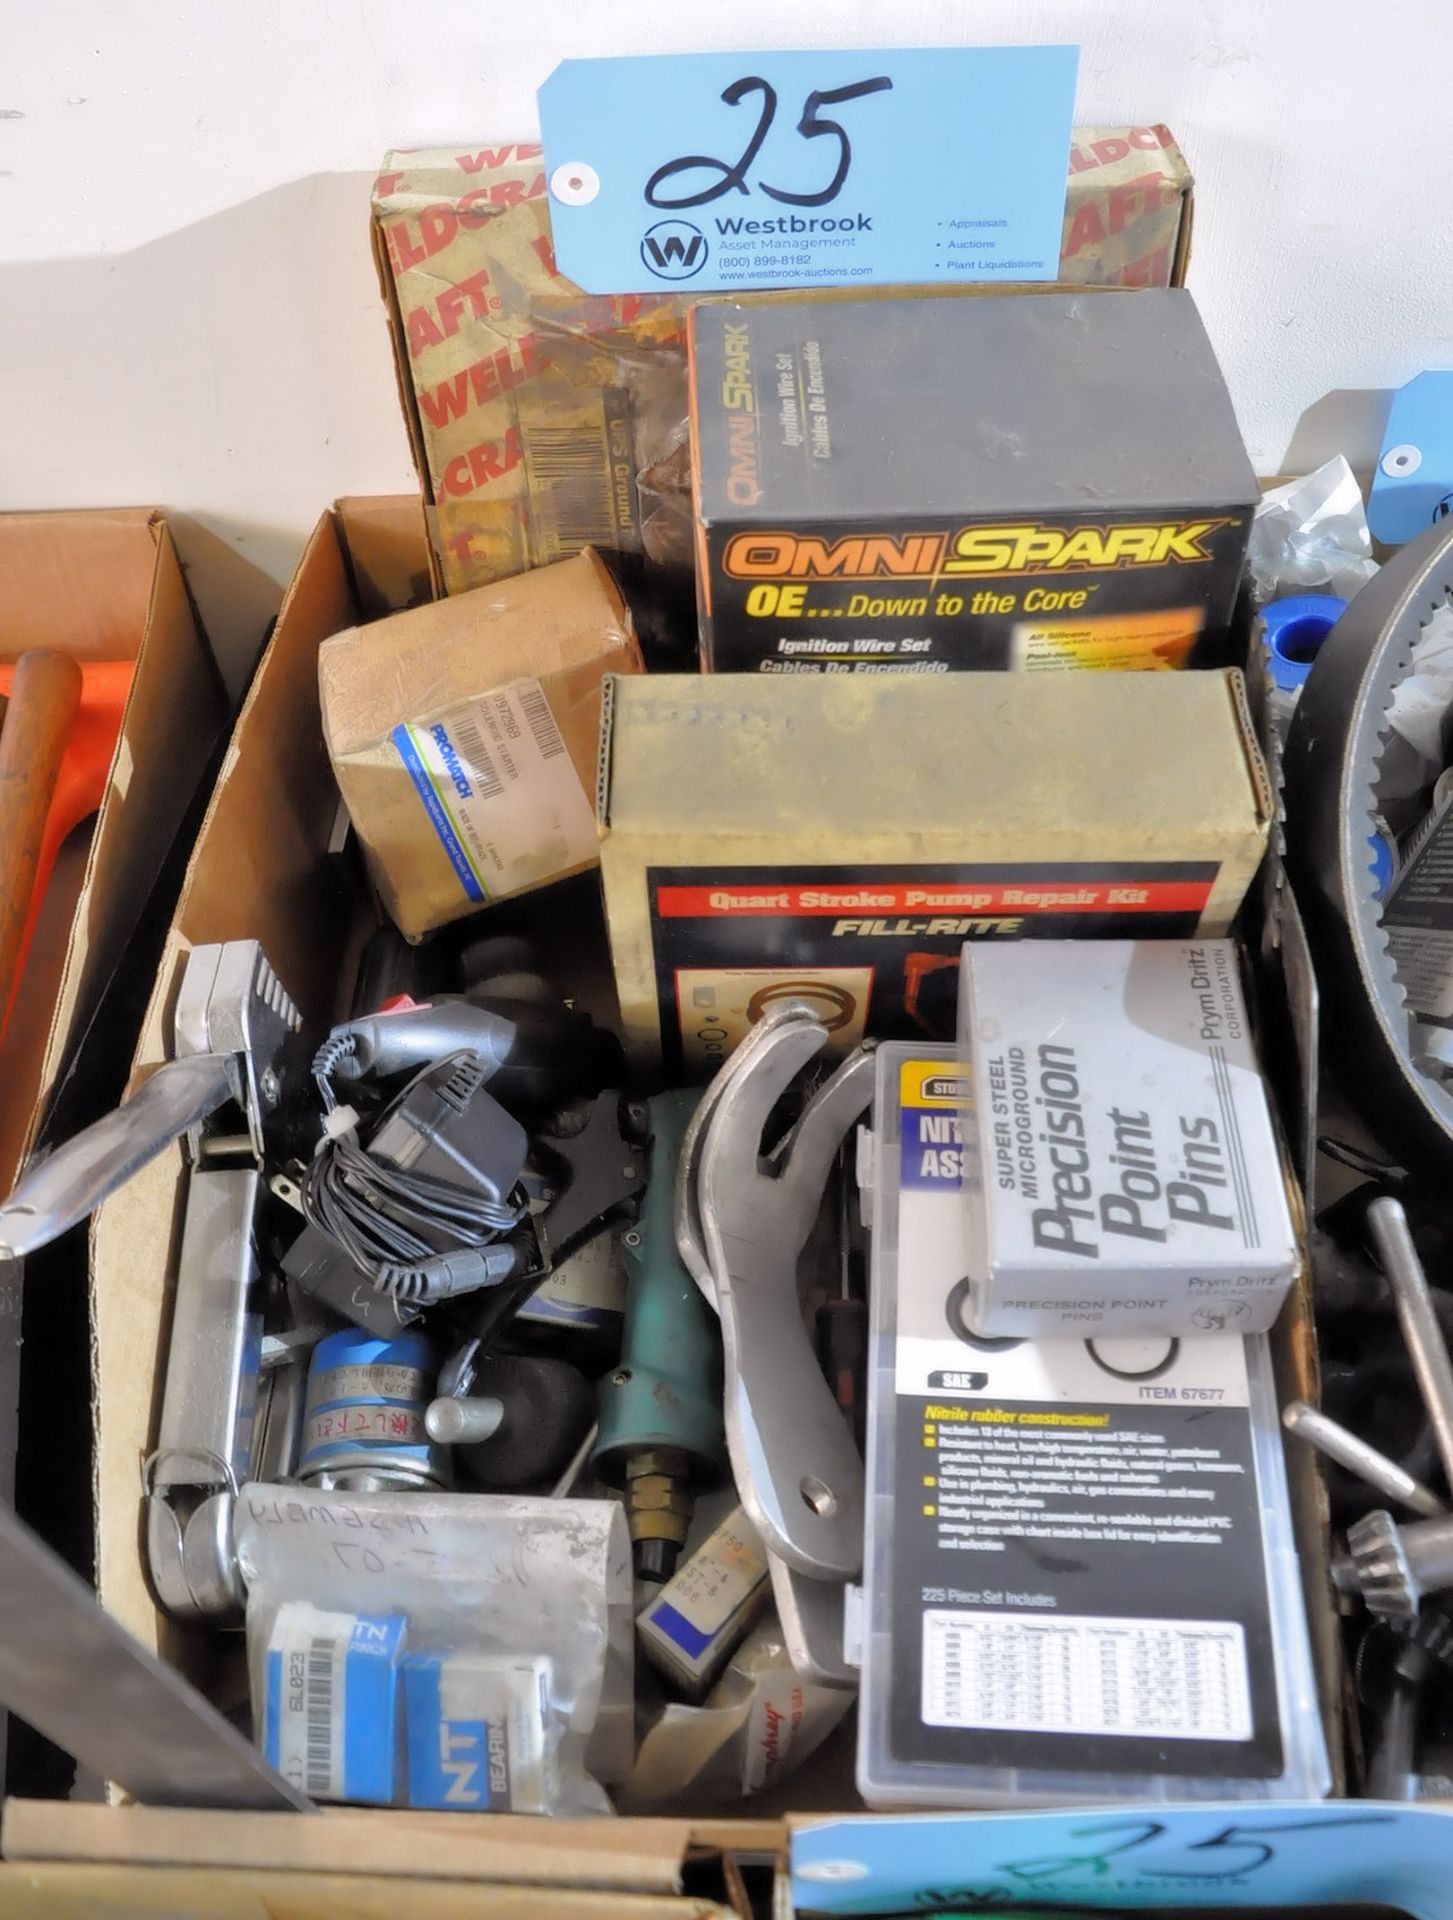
(423, 1207)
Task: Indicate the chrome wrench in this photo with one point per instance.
(797, 1471)
(232, 1029)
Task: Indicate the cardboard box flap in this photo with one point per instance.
(79, 581)
(64, 1892)
(255, 871)
(173, 719)
(967, 730)
(1255, 761)
(387, 548)
(260, 870)
(637, 1856)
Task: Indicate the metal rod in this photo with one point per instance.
(565, 1484)
(1374, 1468)
(455, 1423)
(1429, 1351)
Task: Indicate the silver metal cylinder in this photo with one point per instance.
(1386, 1476)
(453, 1423)
(1428, 1545)
(363, 1429)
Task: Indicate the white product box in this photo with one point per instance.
(1122, 1171)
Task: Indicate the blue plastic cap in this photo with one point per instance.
(1292, 631)
(1383, 862)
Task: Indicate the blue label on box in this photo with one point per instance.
(457, 1757)
(330, 1708)
(691, 1639)
(725, 172)
(931, 1149)
(430, 783)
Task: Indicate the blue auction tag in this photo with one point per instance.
(1311, 1855)
(723, 172)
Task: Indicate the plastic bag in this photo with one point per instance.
(758, 1724)
(1419, 718)
(456, 1650)
(1311, 535)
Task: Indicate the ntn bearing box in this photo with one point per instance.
(1032, 480)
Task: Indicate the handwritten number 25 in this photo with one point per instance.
(811, 126)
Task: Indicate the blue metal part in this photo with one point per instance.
(363, 1429)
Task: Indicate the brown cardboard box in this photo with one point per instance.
(261, 868)
(543, 418)
(102, 585)
(464, 737)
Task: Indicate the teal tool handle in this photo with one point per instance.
(667, 1390)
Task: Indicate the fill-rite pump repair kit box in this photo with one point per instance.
(1046, 480)
(838, 840)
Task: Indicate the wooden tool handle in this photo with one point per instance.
(43, 702)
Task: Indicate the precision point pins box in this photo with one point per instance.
(1040, 481)
(837, 839)
(464, 733)
(1122, 1172)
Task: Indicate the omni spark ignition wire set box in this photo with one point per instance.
(923, 486)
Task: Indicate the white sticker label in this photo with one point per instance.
(501, 790)
(1048, 1673)
(312, 1647)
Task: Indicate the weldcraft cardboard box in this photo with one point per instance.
(264, 866)
(544, 419)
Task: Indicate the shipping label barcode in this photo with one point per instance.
(1048, 1673)
(469, 744)
(542, 721)
(320, 1707)
(569, 476)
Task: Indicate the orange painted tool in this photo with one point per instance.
(56, 748)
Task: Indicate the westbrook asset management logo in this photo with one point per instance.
(674, 250)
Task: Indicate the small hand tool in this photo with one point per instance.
(661, 1409)
(234, 1032)
(44, 690)
(1421, 1649)
(88, 746)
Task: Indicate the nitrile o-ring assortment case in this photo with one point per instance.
(1020, 1645)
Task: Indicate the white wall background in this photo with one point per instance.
(188, 312)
